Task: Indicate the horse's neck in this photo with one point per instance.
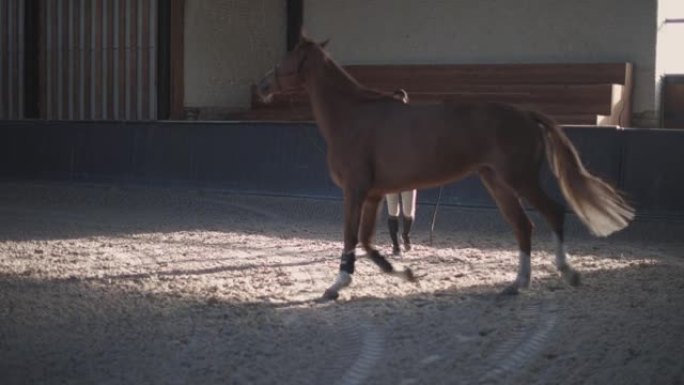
(334, 82)
(331, 81)
(331, 91)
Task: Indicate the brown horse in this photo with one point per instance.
(378, 144)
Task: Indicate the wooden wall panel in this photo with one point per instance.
(12, 59)
(97, 59)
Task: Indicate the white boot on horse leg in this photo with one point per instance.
(344, 277)
(343, 280)
(570, 275)
(522, 280)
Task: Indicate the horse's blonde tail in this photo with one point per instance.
(600, 207)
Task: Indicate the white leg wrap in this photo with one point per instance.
(561, 256)
(524, 269)
(343, 280)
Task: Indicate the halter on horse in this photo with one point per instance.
(377, 145)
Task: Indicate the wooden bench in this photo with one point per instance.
(582, 93)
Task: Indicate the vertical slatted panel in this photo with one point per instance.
(43, 63)
(62, 52)
(12, 59)
(88, 101)
(109, 19)
(20, 58)
(132, 49)
(74, 112)
(127, 55)
(121, 65)
(4, 56)
(151, 45)
(98, 59)
(144, 63)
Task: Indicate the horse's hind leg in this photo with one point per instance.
(512, 210)
(554, 214)
(367, 229)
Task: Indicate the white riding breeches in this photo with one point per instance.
(408, 203)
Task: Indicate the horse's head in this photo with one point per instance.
(292, 70)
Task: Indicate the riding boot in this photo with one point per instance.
(408, 221)
(393, 224)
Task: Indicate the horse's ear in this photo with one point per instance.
(324, 43)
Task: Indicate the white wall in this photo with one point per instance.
(229, 44)
(669, 56)
(493, 31)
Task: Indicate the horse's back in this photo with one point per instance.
(426, 144)
(432, 144)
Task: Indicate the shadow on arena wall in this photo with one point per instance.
(288, 159)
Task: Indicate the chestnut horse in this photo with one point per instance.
(377, 144)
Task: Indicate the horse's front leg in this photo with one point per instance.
(368, 218)
(353, 202)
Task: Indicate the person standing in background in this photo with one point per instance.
(403, 203)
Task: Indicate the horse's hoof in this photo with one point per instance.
(572, 277)
(329, 295)
(511, 290)
(396, 251)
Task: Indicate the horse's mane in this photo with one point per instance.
(363, 92)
